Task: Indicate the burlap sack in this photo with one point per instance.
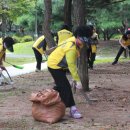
(46, 97)
(48, 106)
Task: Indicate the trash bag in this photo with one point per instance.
(47, 106)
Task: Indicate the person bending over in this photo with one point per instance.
(39, 48)
(124, 43)
(65, 56)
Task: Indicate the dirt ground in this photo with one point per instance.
(109, 110)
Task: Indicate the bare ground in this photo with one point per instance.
(110, 95)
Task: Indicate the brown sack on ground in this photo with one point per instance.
(48, 114)
(47, 106)
(46, 97)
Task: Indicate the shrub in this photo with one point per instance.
(17, 39)
(27, 38)
(117, 36)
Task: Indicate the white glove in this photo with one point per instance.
(78, 85)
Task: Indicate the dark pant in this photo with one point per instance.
(62, 86)
(120, 52)
(38, 57)
(91, 57)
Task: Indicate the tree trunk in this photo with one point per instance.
(79, 19)
(47, 22)
(125, 25)
(67, 12)
(3, 27)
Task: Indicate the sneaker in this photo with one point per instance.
(75, 114)
(37, 70)
(115, 62)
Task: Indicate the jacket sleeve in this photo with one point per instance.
(71, 58)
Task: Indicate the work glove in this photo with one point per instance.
(2, 68)
(78, 85)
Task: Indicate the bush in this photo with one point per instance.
(116, 36)
(27, 38)
(19, 39)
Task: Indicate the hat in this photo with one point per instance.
(84, 39)
(8, 41)
(128, 31)
(83, 31)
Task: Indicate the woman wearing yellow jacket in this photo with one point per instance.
(63, 34)
(65, 56)
(125, 43)
(92, 48)
(6, 43)
(39, 48)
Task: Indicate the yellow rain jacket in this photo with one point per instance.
(40, 44)
(126, 43)
(94, 45)
(2, 52)
(63, 35)
(65, 56)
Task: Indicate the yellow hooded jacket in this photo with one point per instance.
(95, 40)
(63, 35)
(40, 44)
(126, 43)
(2, 51)
(65, 56)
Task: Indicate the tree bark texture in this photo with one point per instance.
(47, 23)
(67, 12)
(79, 19)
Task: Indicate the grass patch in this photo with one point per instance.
(23, 48)
(19, 61)
(109, 60)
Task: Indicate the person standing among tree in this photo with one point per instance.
(92, 48)
(39, 48)
(65, 56)
(125, 43)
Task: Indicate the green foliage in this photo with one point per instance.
(101, 13)
(27, 38)
(20, 60)
(22, 39)
(16, 38)
(23, 48)
(116, 36)
(108, 60)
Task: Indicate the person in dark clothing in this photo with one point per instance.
(65, 56)
(125, 43)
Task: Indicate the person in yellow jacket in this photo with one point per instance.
(6, 43)
(92, 48)
(65, 56)
(125, 43)
(39, 48)
(63, 34)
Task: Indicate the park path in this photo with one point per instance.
(27, 69)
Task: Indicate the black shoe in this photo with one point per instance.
(90, 67)
(115, 62)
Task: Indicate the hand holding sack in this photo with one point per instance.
(47, 106)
